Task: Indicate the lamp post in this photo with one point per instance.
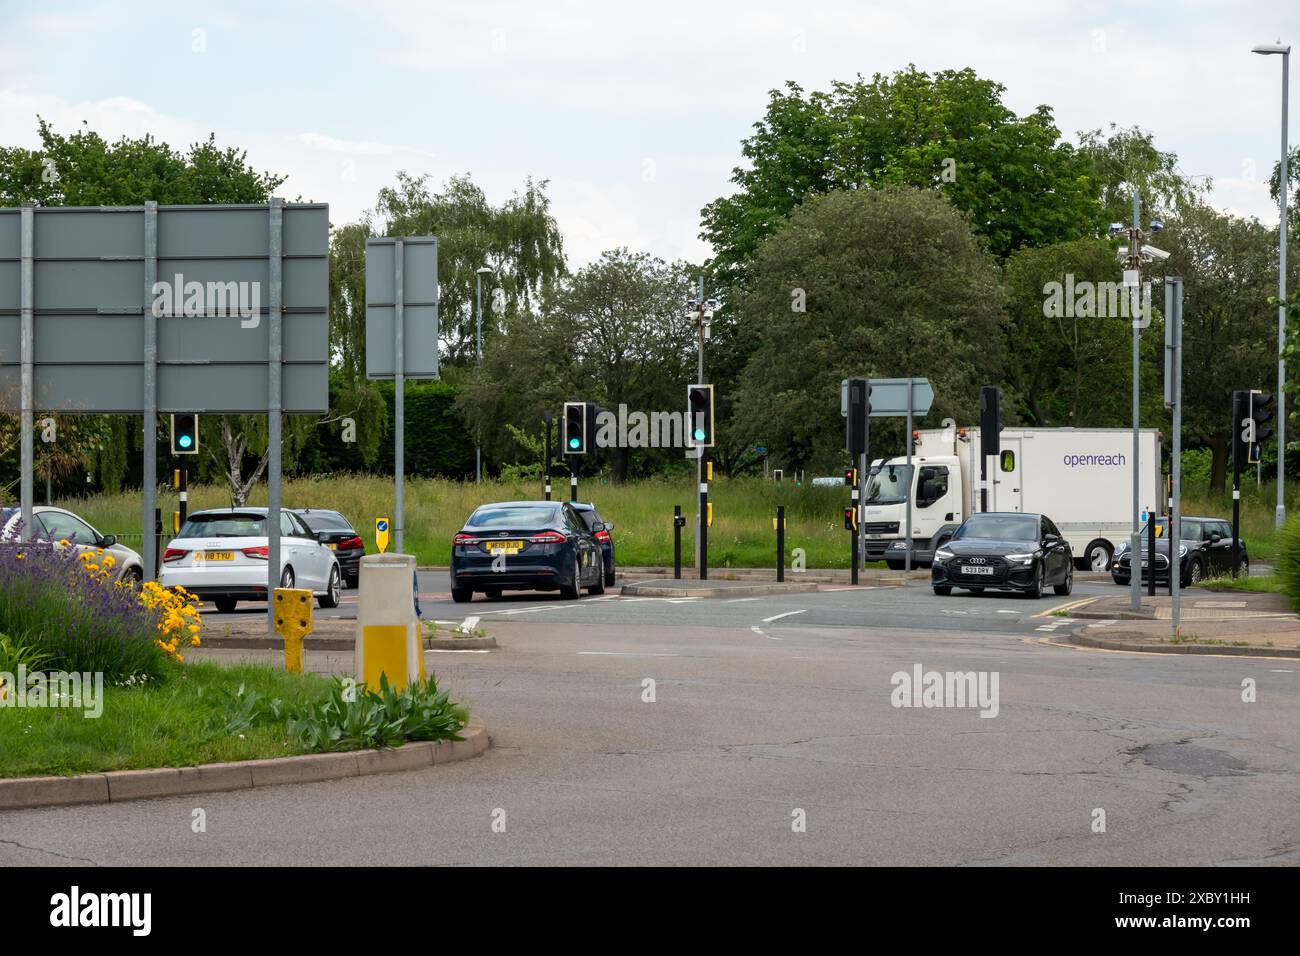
(1266, 49)
(478, 354)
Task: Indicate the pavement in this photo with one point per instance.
(764, 730)
(1223, 621)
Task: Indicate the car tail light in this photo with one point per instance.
(173, 554)
(547, 537)
(261, 551)
(602, 536)
(354, 542)
(463, 538)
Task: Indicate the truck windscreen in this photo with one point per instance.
(888, 485)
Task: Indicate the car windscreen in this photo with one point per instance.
(225, 526)
(513, 516)
(325, 521)
(1000, 528)
(888, 484)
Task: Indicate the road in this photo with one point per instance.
(767, 710)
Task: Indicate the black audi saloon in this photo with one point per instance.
(525, 546)
(1004, 551)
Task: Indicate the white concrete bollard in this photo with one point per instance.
(388, 632)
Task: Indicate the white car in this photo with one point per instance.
(56, 524)
(220, 555)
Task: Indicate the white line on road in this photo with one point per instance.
(621, 654)
(1281, 672)
(438, 650)
(856, 587)
(738, 600)
(759, 631)
(777, 617)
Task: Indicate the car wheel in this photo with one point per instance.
(1036, 591)
(134, 577)
(354, 582)
(571, 591)
(225, 605)
(609, 576)
(462, 595)
(1243, 568)
(334, 591)
(492, 593)
(942, 590)
(895, 565)
(1194, 573)
(287, 579)
(1066, 586)
(1122, 582)
(599, 586)
(1096, 556)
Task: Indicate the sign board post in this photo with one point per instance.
(145, 310)
(401, 334)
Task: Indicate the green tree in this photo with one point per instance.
(1122, 157)
(949, 131)
(893, 282)
(616, 332)
(1063, 368)
(518, 240)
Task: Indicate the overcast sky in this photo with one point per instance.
(634, 112)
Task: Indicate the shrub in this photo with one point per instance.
(64, 606)
(355, 717)
(1288, 559)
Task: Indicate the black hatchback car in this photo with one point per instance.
(525, 546)
(1204, 551)
(600, 529)
(336, 533)
(1004, 551)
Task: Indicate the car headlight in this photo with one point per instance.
(1182, 550)
(943, 554)
(1022, 558)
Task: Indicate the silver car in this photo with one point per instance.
(56, 524)
(220, 555)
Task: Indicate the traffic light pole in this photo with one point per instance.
(855, 528)
(704, 514)
(780, 543)
(1237, 416)
(678, 521)
(573, 478)
(548, 457)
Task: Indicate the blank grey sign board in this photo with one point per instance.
(419, 306)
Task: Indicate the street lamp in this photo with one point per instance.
(478, 354)
(1267, 49)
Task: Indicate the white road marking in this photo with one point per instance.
(758, 630)
(777, 617)
(1281, 672)
(621, 654)
(738, 600)
(438, 650)
(468, 625)
(855, 587)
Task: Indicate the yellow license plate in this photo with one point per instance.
(333, 546)
(505, 547)
(216, 555)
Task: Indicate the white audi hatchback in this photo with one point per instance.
(220, 555)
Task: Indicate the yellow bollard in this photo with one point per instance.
(293, 622)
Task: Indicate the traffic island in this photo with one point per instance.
(1239, 623)
(681, 588)
(120, 785)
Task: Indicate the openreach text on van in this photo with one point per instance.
(53, 689)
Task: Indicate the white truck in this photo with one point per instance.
(1081, 478)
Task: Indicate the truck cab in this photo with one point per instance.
(935, 484)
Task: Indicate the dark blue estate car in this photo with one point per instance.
(526, 546)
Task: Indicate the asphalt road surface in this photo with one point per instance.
(767, 712)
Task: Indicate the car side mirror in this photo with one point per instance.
(609, 526)
(321, 536)
(1215, 538)
(108, 541)
(1049, 540)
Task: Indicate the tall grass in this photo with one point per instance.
(741, 536)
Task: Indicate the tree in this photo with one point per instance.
(1062, 368)
(614, 333)
(518, 240)
(891, 282)
(1229, 267)
(949, 132)
(1127, 156)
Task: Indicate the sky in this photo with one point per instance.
(633, 112)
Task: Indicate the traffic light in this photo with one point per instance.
(1261, 413)
(851, 477)
(990, 420)
(857, 427)
(575, 428)
(699, 403)
(185, 434)
(851, 519)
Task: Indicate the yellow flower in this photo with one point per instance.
(63, 542)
